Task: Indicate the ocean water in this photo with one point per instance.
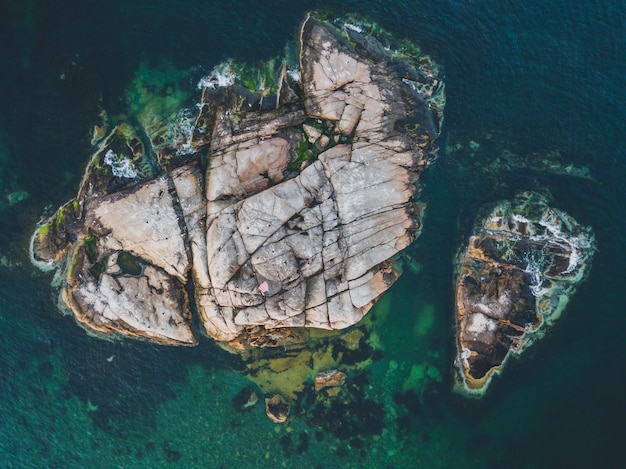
(528, 79)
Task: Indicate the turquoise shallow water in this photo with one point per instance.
(529, 77)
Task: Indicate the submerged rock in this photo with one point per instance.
(308, 193)
(523, 262)
(277, 408)
(497, 154)
(331, 378)
(245, 400)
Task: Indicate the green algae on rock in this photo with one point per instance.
(305, 184)
(523, 262)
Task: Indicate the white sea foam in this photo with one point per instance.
(222, 76)
(353, 27)
(179, 132)
(532, 268)
(571, 243)
(295, 75)
(465, 354)
(574, 258)
(414, 85)
(521, 219)
(121, 166)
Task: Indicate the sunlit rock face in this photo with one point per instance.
(522, 263)
(308, 192)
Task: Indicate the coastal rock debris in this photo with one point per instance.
(308, 194)
(521, 265)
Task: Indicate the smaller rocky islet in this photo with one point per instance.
(521, 265)
(302, 179)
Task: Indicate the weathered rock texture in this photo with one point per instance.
(322, 234)
(523, 262)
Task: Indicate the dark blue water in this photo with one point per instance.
(531, 77)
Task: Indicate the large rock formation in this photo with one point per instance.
(309, 192)
(523, 262)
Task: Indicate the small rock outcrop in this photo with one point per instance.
(277, 408)
(331, 378)
(309, 193)
(523, 262)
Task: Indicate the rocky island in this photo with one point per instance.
(276, 212)
(521, 265)
(280, 208)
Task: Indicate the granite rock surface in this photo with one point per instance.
(310, 193)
